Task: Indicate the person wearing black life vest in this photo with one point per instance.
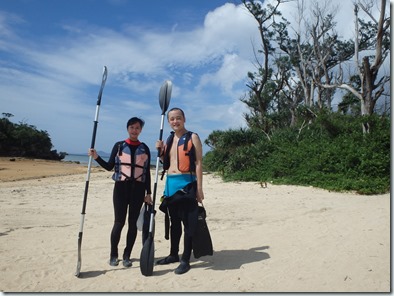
(130, 160)
(182, 160)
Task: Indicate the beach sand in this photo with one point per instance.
(273, 239)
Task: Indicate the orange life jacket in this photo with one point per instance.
(186, 154)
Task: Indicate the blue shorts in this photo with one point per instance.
(177, 182)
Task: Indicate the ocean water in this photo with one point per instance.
(84, 159)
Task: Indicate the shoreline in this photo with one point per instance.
(19, 168)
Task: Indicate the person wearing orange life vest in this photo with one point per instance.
(182, 159)
(130, 160)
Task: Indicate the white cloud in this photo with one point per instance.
(232, 70)
(7, 20)
(53, 81)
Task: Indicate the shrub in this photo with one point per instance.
(332, 153)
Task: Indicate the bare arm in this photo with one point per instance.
(198, 146)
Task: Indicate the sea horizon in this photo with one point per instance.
(83, 159)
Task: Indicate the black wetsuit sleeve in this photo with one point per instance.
(111, 161)
(148, 177)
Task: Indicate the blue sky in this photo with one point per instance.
(52, 53)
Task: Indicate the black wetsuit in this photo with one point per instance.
(185, 212)
(127, 196)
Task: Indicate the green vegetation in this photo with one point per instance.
(296, 134)
(23, 140)
(331, 153)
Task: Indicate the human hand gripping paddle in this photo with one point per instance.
(85, 197)
(148, 249)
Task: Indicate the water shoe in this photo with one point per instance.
(113, 261)
(182, 268)
(167, 260)
(127, 263)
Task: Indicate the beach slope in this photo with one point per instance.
(266, 239)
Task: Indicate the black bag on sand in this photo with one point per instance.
(202, 243)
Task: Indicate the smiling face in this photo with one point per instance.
(134, 131)
(176, 120)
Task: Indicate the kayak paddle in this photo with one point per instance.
(85, 197)
(148, 249)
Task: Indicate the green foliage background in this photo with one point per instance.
(23, 140)
(330, 153)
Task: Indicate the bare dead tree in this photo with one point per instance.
(324, 39)
(372, 86)
(314, 51)
(301, 54)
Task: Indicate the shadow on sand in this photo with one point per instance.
(221, 260)
(95, 273)
(232, 259)
(225, 260)
(91, 274)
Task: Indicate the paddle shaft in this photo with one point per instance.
(87, 178)
(147, 252)
(156, 174)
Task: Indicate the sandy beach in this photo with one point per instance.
(266, 239)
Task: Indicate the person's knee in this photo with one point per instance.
(132, 225)
(119, 224)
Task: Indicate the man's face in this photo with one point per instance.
(176, 120)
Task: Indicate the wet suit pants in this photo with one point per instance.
(127, 196)
(186, 213)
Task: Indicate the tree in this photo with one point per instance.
(296, 76)
(265, 84)
(375, 35)
(6, 130)
(25, 140)
(290, 70)
(315, 51)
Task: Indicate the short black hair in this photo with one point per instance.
(133, 120)
(176, 109)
